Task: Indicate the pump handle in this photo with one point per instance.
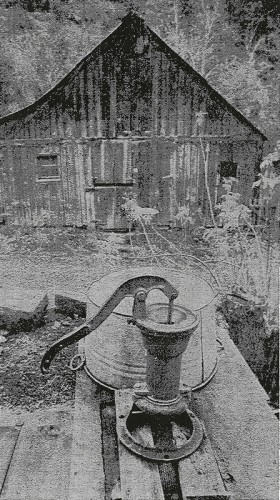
(133, 287)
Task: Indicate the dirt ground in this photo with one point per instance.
(47, 260)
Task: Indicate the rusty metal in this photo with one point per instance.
(166, 330)
(77, 362)
(115, 355)
(136, 287)
(165, 344)
(160, 454)
(159, 403)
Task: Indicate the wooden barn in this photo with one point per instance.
(131, 119)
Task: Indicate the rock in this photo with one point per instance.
(2, 339)
(4, 332)
(22, 309)
(66, 323)
(70, 303)
(56, 325)
(1, 350)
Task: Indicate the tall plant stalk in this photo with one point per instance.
(206, 165)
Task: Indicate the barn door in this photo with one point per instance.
(108, 201)
(167, 181)
(112, 182)
(154, 176)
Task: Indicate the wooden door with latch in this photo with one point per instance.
(153, 176)
(112, 183)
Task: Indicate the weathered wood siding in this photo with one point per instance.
(128, 110)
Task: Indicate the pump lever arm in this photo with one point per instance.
(129, 288)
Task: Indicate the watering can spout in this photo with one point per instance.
(138, 288)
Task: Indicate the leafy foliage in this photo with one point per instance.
(268, 184)
(246, 255)
(233, 44)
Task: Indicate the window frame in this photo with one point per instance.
(232, 164)
(47, 178)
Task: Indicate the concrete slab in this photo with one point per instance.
(21, 309)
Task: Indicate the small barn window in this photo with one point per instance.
(47, 167)
(228, 169)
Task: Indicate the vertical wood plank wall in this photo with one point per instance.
(130, 100)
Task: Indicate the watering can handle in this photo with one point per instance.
(137, 287)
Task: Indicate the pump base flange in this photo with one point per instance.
(159, 452)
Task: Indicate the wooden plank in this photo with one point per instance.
(117, 161)
(41, 461)
(83, 106)
(126, 174)
(109, 441)
(188, 106)
(155, 62)
(97, 88)
(89, 91)
(96, 160)
(65, 182)
(180, 103)
(18, 183)
(11, 183)
(8, 439)
(140, 478)
(172, 100)
(105, 205)
(27, 172)
(199, 474)
(102, 160)
(87, 481)
(80, 179)
(59, 114)
(164, 94)
(113, 97)
(53, 122)
(242, 427)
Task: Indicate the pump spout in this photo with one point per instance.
(138, 288)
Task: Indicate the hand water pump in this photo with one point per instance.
(166, 330)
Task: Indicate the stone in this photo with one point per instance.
(56, 325)
(66, 323)
(22, 309)
(70, 303)
(2, 339)
(4, 332)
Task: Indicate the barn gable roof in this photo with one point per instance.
(131, 20)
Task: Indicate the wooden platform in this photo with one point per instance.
(59, 455)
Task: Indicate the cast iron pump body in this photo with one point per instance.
(166, 329)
